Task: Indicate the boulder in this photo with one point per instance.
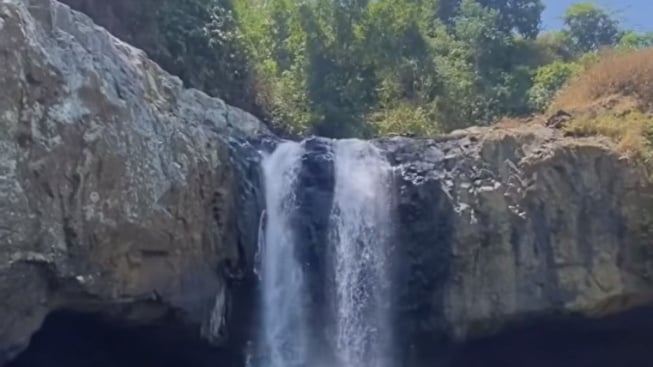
(116, 189)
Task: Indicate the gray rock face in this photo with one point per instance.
(499, 226)
(116, 191)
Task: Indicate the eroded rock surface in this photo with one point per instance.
(498, 225)
(115, 183)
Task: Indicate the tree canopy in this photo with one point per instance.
(359, 68)
(590, 27)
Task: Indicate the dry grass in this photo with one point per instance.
(614, 98)
(515, 122)
(625, 74)
(633, 132)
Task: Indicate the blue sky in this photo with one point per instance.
(634, 14)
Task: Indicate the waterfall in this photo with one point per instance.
(360, 233)
(283, 340)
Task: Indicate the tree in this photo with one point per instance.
(634, 40)
(483, 74)
(589, 27)
(201, 44)
(554, 46)
(272, 33)
(341, 83)
(394, 41)
(394, 38)
(522, 16)
(446, 10)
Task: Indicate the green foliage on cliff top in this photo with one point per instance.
(358, 68)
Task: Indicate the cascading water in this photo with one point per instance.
(360, 234)
(283, 337)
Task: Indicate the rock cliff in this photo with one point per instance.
(500, 226)
(116, 188)
(123, 193)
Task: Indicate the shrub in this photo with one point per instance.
(404, 119)
(548, 80)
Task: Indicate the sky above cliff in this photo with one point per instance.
(634, 14)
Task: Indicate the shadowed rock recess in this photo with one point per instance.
(129, 213)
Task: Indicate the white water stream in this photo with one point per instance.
(359, 233)
(284, 320)
(360, 228)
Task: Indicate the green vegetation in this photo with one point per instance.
(201, 44)
(360, 68)
(590, 27)
(548, 80)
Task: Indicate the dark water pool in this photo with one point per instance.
(82, 340)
